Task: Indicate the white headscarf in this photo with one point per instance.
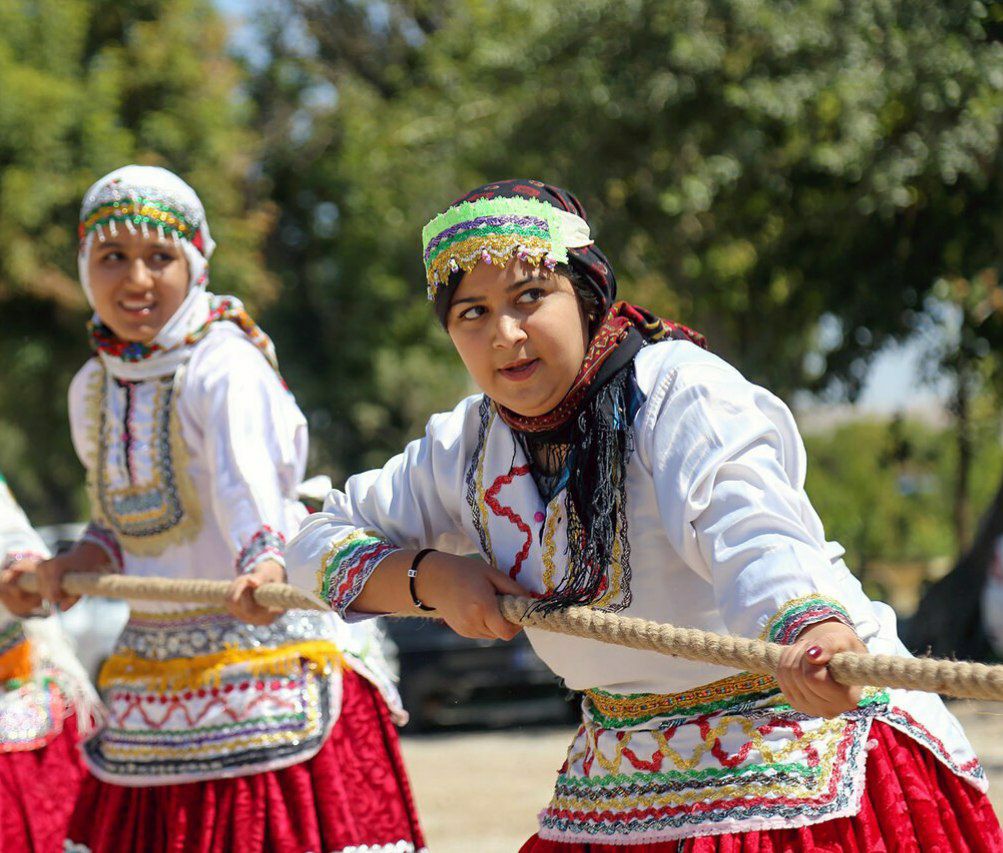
(150, 199)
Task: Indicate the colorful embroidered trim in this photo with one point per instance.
(347, 566)
(142, 212)
(266, 544)
(796, 615)
(106, 541)
(241, 725)
(144, 517)
(748, 766)
(31, 715)
(614, 711)
(495, 230)
(206, 671)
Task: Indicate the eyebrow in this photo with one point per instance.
(514, 286)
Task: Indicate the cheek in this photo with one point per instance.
(475, 354)
(174, 287)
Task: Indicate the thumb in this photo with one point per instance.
(817, 655)
(506, 585)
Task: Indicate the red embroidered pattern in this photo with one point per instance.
(491, 499)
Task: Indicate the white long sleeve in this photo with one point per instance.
(412, 502)
(255, 445)
(728, 467)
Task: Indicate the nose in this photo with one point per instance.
(508, 331)
(139, 273)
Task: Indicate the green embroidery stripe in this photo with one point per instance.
(685, 776)
(346, 553)
(129, 209)
(728, 703)
(529, 232)
(785, 617)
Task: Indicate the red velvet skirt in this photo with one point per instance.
(38, 788)
(911, 802)
(354, 792)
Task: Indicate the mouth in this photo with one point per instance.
(138, 308)
(520, 370)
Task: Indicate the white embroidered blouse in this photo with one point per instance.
(719, 535)
(195, 475)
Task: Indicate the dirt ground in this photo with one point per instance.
(480, 792)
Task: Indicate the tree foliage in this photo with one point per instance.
(749, 165)
(87, 87)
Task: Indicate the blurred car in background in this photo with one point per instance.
(449, 680)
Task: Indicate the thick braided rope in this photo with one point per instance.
(952, 678)
(278, 596)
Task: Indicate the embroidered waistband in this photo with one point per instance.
(615, 710)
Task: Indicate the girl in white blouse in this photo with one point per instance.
(222, 734)
(611, 461)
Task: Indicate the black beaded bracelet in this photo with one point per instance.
(412, 573)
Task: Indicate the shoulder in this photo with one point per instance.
(226, 357)
(660, 366)
(705, 398)
(226, 347)
(460, 426)
(82, 383)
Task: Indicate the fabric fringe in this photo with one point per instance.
(52, 654)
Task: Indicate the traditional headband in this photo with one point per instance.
(145, 199)
(493, 230)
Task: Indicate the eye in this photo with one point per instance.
(163, 257)
(112, 257)
(474, 312)
(531, 295)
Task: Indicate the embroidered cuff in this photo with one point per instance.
(266, 544)
(16, 556)
(106, 541)
(788, 623)
(348, 565)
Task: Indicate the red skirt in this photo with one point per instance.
(911, 802)
(353, 792)
(38, 788)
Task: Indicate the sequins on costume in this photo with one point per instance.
(198, 694)
(753, 763)
(139, 485)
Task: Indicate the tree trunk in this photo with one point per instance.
(948, 621)
(962, 414)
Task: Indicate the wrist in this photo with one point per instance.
(418, 562)
(268, 570)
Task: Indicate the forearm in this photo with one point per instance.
(86, 557)
(388, 591)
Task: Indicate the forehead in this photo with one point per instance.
(487, 279)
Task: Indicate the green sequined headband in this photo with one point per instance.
(493, 230)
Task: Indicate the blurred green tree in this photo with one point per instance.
(87, 87)
(751, 166)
